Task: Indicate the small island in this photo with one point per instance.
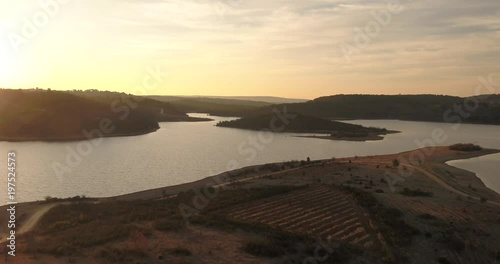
(332, 130)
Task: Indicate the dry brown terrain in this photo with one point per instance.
(368, 209)
(319, 211)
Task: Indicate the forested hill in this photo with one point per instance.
(56, 116)
(212, 106)
(163, 111)
(300, 124)
(435, 108)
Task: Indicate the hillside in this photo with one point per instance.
(309, 124)
(212, 106)
(49, 115)
(231, 99)
(276, 213)
(162, 111)
(435, 108)
(266, 99)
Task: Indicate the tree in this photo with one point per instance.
(395, 163)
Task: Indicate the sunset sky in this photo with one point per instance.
(233, 47)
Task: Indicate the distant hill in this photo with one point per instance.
(402, 107)
(235, 99)
(162, 111)
(267, 99)
(44, 115)
(56, 116)
(212, 106)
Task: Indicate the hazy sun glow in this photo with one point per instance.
(231, 47)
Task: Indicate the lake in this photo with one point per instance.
(184, 152)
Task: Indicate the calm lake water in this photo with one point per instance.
(184, 152)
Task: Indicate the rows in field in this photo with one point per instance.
(426, 206)
(316, 211)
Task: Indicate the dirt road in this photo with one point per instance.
(33, 219)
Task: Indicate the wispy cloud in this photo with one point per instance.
(428, 41)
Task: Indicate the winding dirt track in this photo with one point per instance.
(33, 219)
(31, 222)
(444, 184)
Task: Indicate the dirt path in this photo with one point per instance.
(256, 177)
(444, 184)
(33, 219)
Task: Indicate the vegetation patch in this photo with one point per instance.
(168, 224)
(415, 193)
(388, 220)
(87, 225)
(301, 124)
(427, 217)
(466, 147)
(180, 252)
(227, 198)
(264, 249)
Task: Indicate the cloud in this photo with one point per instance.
(427, 39)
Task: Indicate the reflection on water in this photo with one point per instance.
(184, 152)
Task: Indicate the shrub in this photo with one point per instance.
(427, 216)
(263, 249)
(465, 147)
(49, 198)
(138, 244)
(388, 220)
(456, 244)
(415, 192)
(168, 224)
(443, 260)
(181, 252)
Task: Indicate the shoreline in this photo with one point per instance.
(249, 172)
(406, 120)
(371, 137)
(478, 175)
(475, 173)
(352, 139)
(214, 180)
(31, 212)
(457, 178)
(77, 138)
